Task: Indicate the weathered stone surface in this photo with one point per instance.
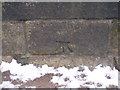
(86, 37)
(71, 61)
(61, 10)
(61, 28)
(83, 37)
(13, 41)
(114, 37)
(68, 61)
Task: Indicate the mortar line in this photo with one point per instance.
(26, 41)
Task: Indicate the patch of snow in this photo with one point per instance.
(31, 87)
(100, 77)
(97, 76)
(8, 84)
(23, 73)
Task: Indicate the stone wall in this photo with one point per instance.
(55, 28)
(84, 37)
(60, 10)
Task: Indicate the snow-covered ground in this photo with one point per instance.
(81, 76)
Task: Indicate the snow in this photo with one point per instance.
(24, 73)
(8, 84)
(96, 76)
(100, 77)
(31, 87)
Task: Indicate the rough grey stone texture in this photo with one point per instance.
(86, 37)
(61, 10)
(71, 61)
(33, 32)
(114, 36)
(13, 41)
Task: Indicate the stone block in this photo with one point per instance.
(13, 39)
(59, 10)
(85, 37)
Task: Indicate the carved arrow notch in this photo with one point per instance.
(63, 47)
